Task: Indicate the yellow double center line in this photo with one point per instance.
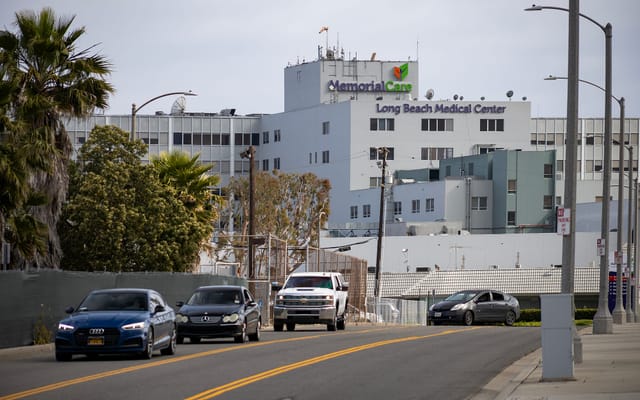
(208, 394)
(225, 388)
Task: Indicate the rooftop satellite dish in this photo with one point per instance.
(429, 94)
(482, 98)
(524, 98)
(455, 97)
(510, 93)
(179, 105)
(461, 98)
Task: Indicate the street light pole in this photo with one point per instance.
(319, 227)
(630, 254)
(602, 321)
(134, 109)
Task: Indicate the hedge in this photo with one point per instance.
(533, 314)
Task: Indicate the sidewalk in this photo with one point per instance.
(610, 369)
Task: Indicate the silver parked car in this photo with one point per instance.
(469, 306)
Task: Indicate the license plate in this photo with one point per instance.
(437, 314)
(96, 341)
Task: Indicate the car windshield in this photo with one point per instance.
(461, 296)
(110, 301)
(215, 296)
(309, 281)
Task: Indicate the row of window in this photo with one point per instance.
(478, 203)
(213, 139)
(430, 125)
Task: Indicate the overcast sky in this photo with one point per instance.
(233, 53)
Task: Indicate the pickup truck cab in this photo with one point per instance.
(311, 298)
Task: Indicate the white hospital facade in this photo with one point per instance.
(502, 170)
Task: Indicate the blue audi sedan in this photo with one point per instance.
(107, 321)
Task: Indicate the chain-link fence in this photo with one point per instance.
(275, 260)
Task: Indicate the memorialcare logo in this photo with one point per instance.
(401, 72)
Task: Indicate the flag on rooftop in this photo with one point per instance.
(324, 28)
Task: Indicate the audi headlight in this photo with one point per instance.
(457, 307)
(134, 326)
(181, 318)
(230, 318)
(65, 328)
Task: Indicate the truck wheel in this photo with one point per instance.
(342, 322)
(332, 325)
(291, 326)
(277, 326)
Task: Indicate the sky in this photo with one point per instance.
(232, 54)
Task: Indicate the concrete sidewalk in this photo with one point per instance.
(610, 369)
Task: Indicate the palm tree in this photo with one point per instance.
(46, 78)
(184, 173)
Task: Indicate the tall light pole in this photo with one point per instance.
(636, 247)
(620, 315)
(320, 214)
(134, 109)
(602, 321)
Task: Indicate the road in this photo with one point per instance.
(362, 362)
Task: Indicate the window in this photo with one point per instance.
(276, 135)
(186, 138)
(325, 128)
(265, 137)
(479, 203)
(265, 165)
(436, 153)
(276, 163)
(325, 157)
(491, 125)
(512, 186)
(397, 208)
(415, 206)
(374, 181)
(437, 124)
(470, 169)
(177, 137)
(81, 140)
(366, 211)
(548, 170)
(511, 217)
(197, 139)
(354, 212)
(375, 153)
(381, 124)
(206, 139)
(429, 205)
(547, 202)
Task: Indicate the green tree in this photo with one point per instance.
(46, 77)
(286, 205)
(121, 217)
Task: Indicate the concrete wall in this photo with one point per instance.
(31, 299)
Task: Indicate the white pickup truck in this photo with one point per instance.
(311, 298)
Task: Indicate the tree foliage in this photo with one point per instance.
(288, 206)
(46, 77)
(122, 217)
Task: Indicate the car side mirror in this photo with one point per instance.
(345, 287)
(158, 309)
(179, 303)
(276, 286)
(69, 310)
(251, 304)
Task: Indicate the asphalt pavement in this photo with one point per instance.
(610, 369)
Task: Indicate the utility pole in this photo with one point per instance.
(250, 154)
(381, 151)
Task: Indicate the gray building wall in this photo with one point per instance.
(37, 298)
